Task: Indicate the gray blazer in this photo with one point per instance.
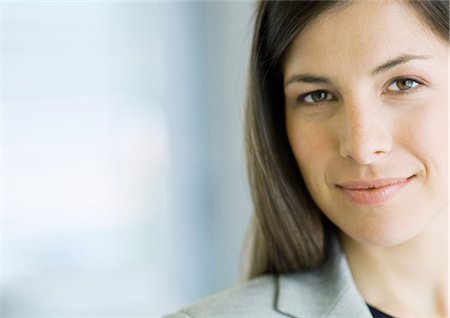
(325, 292)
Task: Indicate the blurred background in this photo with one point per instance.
(123, 180)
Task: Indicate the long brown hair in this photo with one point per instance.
(288, 230)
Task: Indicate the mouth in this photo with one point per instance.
(378, 191)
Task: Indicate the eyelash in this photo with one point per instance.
(416, 83)
(405, 79)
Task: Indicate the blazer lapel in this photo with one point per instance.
(325, 292)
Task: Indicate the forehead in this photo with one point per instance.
(360, 35)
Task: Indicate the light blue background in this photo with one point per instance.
(124, 187)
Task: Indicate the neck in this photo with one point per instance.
(409, 279)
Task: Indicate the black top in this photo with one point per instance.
(378, 314)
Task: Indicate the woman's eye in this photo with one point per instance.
(403, 84)
(315, 97)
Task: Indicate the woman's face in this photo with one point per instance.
(366, 93)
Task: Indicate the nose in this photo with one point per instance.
(366, 134)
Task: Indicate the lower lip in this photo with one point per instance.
(375, 196)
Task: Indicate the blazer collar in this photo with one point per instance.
(325, 292)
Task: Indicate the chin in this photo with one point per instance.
(384, 234)
(383, 240)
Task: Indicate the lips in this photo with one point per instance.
(373, 191)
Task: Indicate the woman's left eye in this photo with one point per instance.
(403, 84)
(316, 97)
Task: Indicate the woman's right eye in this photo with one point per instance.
(315, 97)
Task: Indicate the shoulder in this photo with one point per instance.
(253, 298)
(326, 291)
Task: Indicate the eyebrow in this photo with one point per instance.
(313, 79)
(307, 78)
(402, 59)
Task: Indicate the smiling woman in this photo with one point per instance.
(377, 120)
(347, 138)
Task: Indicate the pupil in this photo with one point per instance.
(405, 84)
(319, 96)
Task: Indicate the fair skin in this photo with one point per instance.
(378, 118)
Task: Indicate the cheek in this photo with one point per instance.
(313, 149)
(437, 147)
(425, 136)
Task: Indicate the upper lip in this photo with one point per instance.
(371, 184)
